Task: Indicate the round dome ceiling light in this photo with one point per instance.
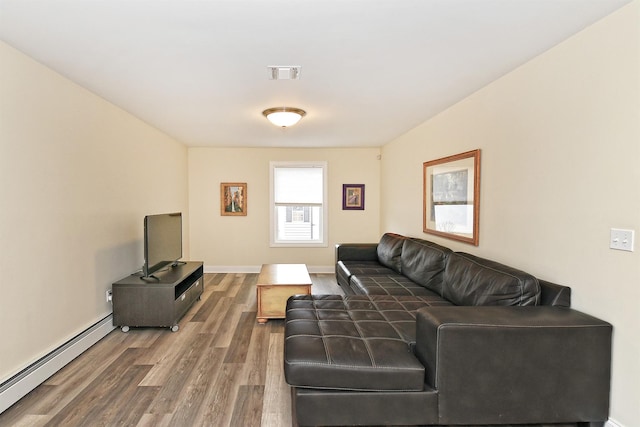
(284, 116)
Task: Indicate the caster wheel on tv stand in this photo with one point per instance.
(175, 328)
(124, 329)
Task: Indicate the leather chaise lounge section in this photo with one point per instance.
(428, 336)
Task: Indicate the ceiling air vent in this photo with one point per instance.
(284, 72)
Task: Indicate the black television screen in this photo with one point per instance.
(162, 241)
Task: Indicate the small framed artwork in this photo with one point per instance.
(233, 198)
(451, 199)
(353, 197)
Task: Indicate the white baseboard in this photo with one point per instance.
(16, 387)
(232, 269)
(612, 423)
(256, 268)
(322, 269)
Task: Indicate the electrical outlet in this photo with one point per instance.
(621, 239)
(109, 295)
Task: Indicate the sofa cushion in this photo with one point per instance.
(398, 311)
(388, 284)
(470, 280)
(355, 342)
(389, 250)
(367, 268)
(424, 262)
(346, 269)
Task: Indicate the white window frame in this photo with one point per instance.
(323, 242)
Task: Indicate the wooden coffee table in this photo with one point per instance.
(276, 283)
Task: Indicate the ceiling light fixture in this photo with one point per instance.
(284, 116)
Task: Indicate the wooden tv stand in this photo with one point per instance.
(159, 300)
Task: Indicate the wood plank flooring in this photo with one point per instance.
(220, 369)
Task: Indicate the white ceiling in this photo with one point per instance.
(371, 70)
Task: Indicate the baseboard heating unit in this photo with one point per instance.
(16, 387)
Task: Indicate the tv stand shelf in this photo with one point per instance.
(160, 300)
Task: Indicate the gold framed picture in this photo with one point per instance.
(451, 197)
(233, 198)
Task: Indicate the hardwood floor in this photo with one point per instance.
(220, 369)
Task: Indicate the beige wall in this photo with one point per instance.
(560, 140)
(561, 145)
(232, 243)
(75, 185)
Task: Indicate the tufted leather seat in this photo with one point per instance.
(365, 268)
(356, 342)
(389, 284)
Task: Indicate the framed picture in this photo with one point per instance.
(233, 198)
(451, 197)
(353, 197)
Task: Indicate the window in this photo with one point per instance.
(298, 203)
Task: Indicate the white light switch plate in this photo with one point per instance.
(621, 239)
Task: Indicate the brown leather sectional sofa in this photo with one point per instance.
(428, 336)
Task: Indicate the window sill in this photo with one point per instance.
(297, 245)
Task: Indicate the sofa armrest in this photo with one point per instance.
(553, 294)
(357, 252)
(515, 364)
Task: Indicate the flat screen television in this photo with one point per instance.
(162, 241)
